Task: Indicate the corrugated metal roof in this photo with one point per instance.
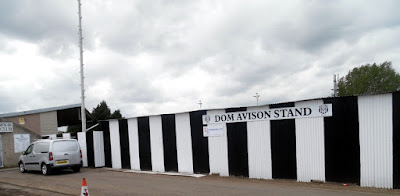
(310, 99)
(40, 110)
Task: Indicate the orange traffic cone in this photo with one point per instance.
(84, 190)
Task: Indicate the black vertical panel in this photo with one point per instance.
(342, 144)
(283, 146)
(144, 143)
(124, 143)
(396, 140)
(107, 143)
(199, 143)
(169, 142)
(237, 146)
(89, 148)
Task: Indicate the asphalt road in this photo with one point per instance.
(104, 181)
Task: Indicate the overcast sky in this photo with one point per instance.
(155, 57)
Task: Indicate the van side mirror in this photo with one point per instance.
(23, 153)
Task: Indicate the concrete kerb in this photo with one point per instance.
(158, 173)
(3, 169)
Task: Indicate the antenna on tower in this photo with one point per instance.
(200, 103)
(83, 108)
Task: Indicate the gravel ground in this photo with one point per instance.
(103, 181)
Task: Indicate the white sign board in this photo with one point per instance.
(213, 131)
(6, 127)
(323, 110)
(21, 142)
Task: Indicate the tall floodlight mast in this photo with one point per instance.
(257, 96)
(83, 108)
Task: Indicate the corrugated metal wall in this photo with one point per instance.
(218, 149)
(184, 143)
(259, 147)
(98, 146)
(115, 145)
(82, 144)
(358, 144)
(134, 143)
(376, 140)
(310, 146)
(156, 140)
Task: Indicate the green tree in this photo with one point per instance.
(370, 79)
(116, 114)
(102, 111)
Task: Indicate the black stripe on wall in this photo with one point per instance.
(105, 126)
(169, 142)
(144, 143)
(89, 148)
(396, 140)
(342, 144)
(199, 143)
(283, 146)
(124, 143)
(237, 146)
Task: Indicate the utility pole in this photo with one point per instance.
(200, 104)
(83, 108)
(257, 96)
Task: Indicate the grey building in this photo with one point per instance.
(18, 129)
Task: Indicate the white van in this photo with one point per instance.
(47, 155)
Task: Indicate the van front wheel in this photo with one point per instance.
(45, 169)
(21, 167)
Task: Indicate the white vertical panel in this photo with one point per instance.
(156, 141)
(184, 143)
(310, 146)
(115, 145)
(98, 148)
(82, 144)
(376, 140)
(218, 149)
(259, 147)
(66, 135)
(134, 143)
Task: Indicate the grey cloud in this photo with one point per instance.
(52, 25)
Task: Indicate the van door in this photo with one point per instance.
(27, 157)
(66, 152)
(1, 153)
(38, 155)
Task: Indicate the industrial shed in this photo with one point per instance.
(352, 139)
(19, 129)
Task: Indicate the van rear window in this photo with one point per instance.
(62, 146)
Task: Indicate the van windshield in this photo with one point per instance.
(62, 146)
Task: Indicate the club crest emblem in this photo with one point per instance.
(207, 118)
(323, 109)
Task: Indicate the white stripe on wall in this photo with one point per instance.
(310, 146)
(115, 145)
(184, 143)
(156, 141)
(259, 147)
(218, 149)
(376, 140)
(134, 143)
(66, 135)
(82, 144)
(98, 149)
